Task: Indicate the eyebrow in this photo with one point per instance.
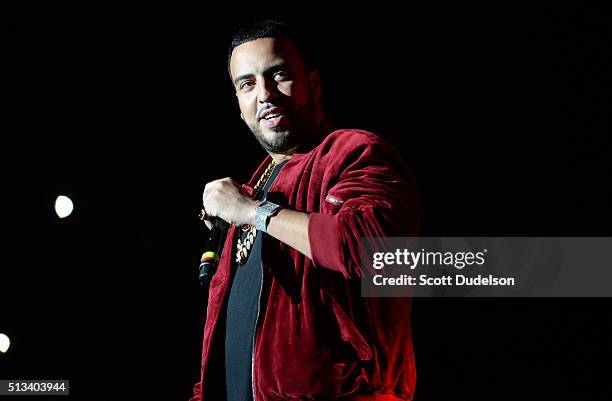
(271, 69)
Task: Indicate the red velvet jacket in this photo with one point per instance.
(316, 337)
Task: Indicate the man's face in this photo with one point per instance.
(277, 96)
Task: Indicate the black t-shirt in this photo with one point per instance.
(242, 310)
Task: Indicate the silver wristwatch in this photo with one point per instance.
(263, 212)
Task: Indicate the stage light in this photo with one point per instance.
(5, 343)
(63, 206)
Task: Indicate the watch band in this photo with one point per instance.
(263, 212)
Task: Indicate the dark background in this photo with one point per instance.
(502, 111)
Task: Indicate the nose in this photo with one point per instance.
(266, 91)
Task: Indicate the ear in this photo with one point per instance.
(315, 83)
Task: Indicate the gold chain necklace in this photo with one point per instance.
(243, 247)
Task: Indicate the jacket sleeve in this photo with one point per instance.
(371, 193)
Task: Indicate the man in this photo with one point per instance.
(285, 318)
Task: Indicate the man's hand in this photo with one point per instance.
(226, 199)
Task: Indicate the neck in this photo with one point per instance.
(281, 157)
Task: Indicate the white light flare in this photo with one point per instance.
(63, 206)
(5, 343)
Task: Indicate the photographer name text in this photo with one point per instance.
(455, 261)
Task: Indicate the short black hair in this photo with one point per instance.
(272, 28)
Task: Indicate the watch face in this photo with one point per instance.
(262, 212)
(260, 221)
(269, 207)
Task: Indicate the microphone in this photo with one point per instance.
(212, 250)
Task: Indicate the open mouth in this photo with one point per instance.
(273, 120)
(272, 116)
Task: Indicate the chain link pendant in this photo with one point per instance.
(244, 247)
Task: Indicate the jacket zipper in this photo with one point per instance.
(255, 332)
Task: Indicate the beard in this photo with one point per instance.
(279, 140)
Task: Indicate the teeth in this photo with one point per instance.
(271, 116)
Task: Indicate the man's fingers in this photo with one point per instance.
(206, 218)
(223, 198)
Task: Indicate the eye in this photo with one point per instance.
(281, 75)
(246, 84)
